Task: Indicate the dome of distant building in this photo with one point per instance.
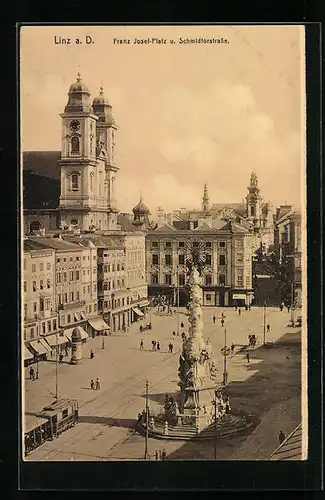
(141, 208)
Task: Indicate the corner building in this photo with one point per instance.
(227, 253)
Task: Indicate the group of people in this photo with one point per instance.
(282, 307)
(95, 385)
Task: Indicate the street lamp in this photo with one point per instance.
(214, 403)
(147, 423)
(264, 323)
(225, 351)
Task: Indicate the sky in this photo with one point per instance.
(186, 114)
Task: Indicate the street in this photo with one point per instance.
(107, 415)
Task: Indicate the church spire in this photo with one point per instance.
(205, 199)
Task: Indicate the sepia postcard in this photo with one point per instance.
(163, 243)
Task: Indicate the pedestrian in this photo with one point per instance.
(249, 307)
(92, 384)
(268, 328)
(158, 346)
(31, 373)
(232, 347)
(171, 349)
(281, 437)
(103, 344)
(141, 345)
(246, 307)
(239, 311)
(182, 324)
(247, 357)
(97, 384)
(160, 455)
(163, 454)
(222, 321)
(214, 319)
(157, 456)
(153, 342)
(61, 358)
(174, 333)
(36, 373)
(288, 307)
(91, 354)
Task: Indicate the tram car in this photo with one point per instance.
(61, 416)
(35, 432)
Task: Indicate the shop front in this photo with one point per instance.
(40, 349)
(28, 356)
(98, 327)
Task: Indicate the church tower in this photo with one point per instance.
(87, 162)
(205, 199)
(253, 201)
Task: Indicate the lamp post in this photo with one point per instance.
(214, 402)
(264, 323)
(56, 367)
(147, 424)
(292, 303)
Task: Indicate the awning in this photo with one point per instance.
(98, 324)
(83, 315)
(68, 333)
(77, 316)
(144, 303)
(239, 296)
(53, 340)
(137, 311)
(27, 354)
(39, 346)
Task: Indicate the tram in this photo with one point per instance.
(49, 423)
(61, 416)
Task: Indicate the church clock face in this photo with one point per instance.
(74, 125)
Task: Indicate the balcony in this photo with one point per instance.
(71, 305)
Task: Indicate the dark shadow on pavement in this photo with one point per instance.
(127, 423)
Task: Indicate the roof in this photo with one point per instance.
(125, 223)
(235, 228)
(30, 245)
(203, 227)
(166, 228)
(32, 422)
(56, 243)
(282, 210)
(43, 163)
(239, 208)
(291, 448)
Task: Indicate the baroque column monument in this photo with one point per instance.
(197, 371)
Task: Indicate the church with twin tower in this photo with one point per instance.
(87, 164)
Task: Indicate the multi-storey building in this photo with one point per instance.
(38, 291)
(227, 254)
(287, 248)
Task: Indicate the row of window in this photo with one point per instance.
(63, 277)
(64, 259)
(113, 267)
(43, 284)
(41, 266)
(181, 244)
(115, 304)
(110, 285)
(181, 259)
(44, 305)
(207, 279)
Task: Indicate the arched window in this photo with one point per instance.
(75, 181)
(75, 145)
(35, 225)
(91, 181)
(252, 210)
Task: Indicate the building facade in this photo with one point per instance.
(287, 248)
(39, 310)
(226, 253)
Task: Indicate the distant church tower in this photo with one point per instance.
(205, 199)
(253, 201)
(88, 168)
(141, 215)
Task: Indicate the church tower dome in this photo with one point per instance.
(103, 108)
(141, 214)
(79, 98)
